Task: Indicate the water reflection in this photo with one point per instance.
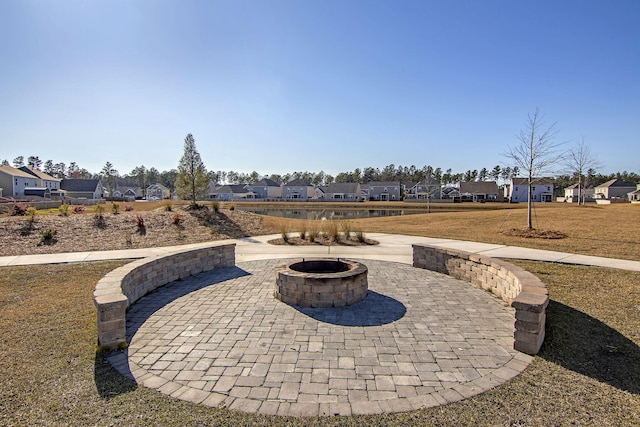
(337, 214)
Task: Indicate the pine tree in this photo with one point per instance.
(191, 181)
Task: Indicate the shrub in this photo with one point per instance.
(19, 209)
(168, 206)
(312, 226)
(99, 218)
(284, 232)
(78, 209)
(360, 236)
(128, 208)
(48, 236)
(303, 231)
(140, 224)
(215, 205)
(31, 213)
(232, 207)
(115, 208)
(177, 219)
(64, 209)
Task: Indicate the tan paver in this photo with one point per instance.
(221, 338)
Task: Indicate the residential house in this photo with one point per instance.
(342, 191)
(82, 188)
(633, 196)
(517, 190)
(451, 193)
(572, 193)
(266, 189)
(44, 179)
(299, 190)
(231, 192)
(15, 181)
(382, 191)
(128, 192)
(158, 192)
(480, 191)
(427, 189)
(614, 188)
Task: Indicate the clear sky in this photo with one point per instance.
(278, 86)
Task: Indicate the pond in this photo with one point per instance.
(336, 214)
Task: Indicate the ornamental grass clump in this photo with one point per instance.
(64, 209)
(99, 217)
(331, 230)
(115, 208)
(312, 227)
(48, 236)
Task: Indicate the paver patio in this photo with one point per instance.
(419, 339)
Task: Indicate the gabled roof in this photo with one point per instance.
(85, 185)
(15, 172)
(617, 183)
(342, 187)
(266, 182)
(231, 189)
(299, 183)
(39, 174)
(479, 187)
(382, 184)
(158, 185)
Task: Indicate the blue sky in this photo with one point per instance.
(283, 86)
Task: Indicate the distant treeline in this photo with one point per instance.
(142, 176)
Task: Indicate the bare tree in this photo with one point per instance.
(580, 161)
(536, 153)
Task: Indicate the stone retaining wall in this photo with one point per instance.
(122, 287)
(514, 285)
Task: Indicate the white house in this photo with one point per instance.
(158, 191)
(571, 193)
(14, 181)
(541, 189)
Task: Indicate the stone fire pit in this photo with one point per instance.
(321, 283)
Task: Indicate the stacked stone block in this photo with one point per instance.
(321, 290)
(514, 285)
(122, 287)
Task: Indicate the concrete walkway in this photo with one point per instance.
(392, 247)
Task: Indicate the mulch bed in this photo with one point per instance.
(534, 233)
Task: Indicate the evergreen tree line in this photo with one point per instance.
(143, 177)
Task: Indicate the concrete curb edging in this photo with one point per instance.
(122, 287)
(514, 285)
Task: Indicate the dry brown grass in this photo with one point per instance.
(600, 230)
(588, 372)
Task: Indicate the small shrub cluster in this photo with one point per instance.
(78, 209)
(99, 217)
(64, 209)
(177, 219)
(215, 206)
(31, 213)
(128, 208)
(48, 236)
(139, 220)
(19, 209)
(115, 208)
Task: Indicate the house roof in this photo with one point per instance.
(15, 172)
(299, 183)
(536, 181)
(39, 174)
(342, 187)
(158, 185)
(382, 184)
(479, 187)
(617, 183)
(231, 189)
(266, 182)
(86, 185)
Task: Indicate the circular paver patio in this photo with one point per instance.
(419, 339)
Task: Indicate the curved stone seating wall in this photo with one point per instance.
(122, 287)
(514, 285)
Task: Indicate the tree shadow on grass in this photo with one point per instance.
(583, 344)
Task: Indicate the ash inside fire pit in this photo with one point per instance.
(321, 283)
